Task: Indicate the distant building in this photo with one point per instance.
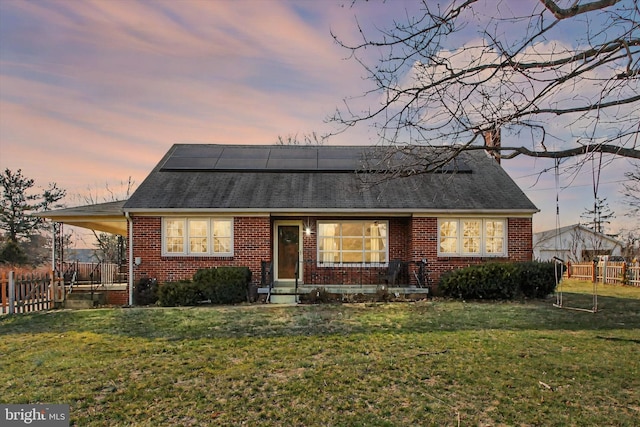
(575, 243)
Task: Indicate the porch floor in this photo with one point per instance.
(347, 289)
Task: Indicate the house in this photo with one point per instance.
(575, 243)
(317, 216)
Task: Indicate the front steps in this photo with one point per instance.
(283, 299)
(83, 300)
(286, 294)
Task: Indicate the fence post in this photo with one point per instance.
(3, 292)
(594, 271)
(51, 291)
(12, 292)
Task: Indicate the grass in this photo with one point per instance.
(426, 363)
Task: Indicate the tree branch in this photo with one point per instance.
(560, 154)
(577, 8)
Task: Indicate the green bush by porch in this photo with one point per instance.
(501, 281)
(222, 285)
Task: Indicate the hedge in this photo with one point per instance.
(500, 281)
(222, 285)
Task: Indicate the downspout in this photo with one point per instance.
(130, 245)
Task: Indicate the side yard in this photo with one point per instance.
(427, 363)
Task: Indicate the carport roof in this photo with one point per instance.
(106, 217)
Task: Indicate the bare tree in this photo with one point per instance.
(109, 247)
(631, 192)
(456, 78)
(599, 217)
(312, 138)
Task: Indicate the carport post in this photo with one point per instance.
(130, 245)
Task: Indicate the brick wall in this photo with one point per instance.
(117, 297)
(425, 245)
(398, 250)
(520, 233)
(410, 240)
(252, 244)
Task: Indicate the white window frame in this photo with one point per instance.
(319, 254)
(461, 250)
(186, 243)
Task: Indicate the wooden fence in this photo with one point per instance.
(25, 293)
(613, 273)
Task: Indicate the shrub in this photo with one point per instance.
(224, 285)
(538, 279)
(382, 295)
(182, 293)
(318, 296)
(146, 291)
(496, 281)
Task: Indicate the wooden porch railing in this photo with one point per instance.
(93, 273)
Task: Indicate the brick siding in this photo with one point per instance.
(251, 242)
(117, 297)
(410, 240)
(425, 245)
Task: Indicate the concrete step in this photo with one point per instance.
(82, 300)
(79, 304)
(283, 299)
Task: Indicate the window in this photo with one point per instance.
(197, 236)
(472, 237)
(352, 242)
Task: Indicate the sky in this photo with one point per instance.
(93, 93)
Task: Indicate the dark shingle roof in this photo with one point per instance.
(197, 177)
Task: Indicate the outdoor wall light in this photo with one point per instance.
(137, 260)
(307, 228)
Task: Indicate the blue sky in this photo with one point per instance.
(94, 92)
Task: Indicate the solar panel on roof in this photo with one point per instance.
(246, 153)
(338, 164)
(240, 164)
(292, 164)
(340, 153)
(188, 163)
(323, 158)
(293, 153)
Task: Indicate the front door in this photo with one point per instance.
(288, 250)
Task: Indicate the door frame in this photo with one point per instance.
(276, 224)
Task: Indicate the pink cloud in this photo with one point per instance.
(96, 91)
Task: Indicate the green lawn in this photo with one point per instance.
(425, 363)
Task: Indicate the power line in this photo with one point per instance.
(576, 185)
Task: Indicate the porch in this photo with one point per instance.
(91, 284)
(371, 278)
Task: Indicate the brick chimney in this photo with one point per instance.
(492, 139)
